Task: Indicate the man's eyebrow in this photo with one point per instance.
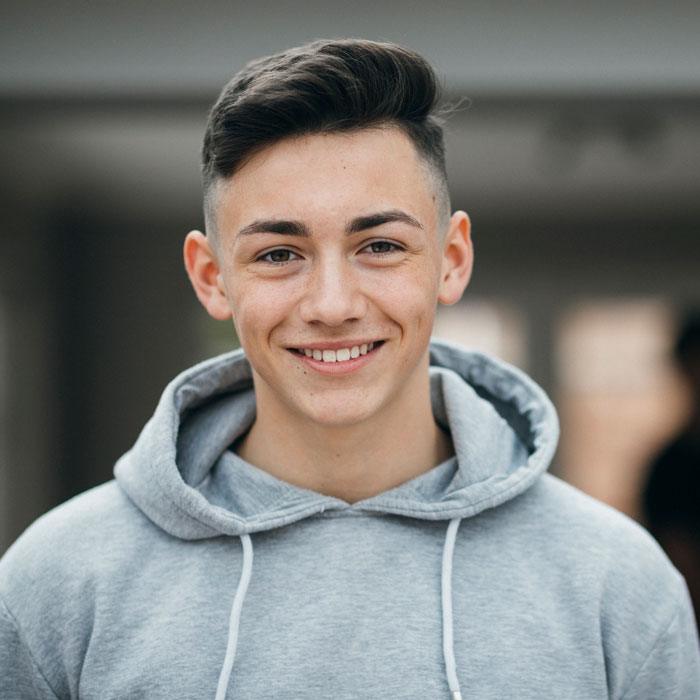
(282, 226)
(362, 223)
(287, 227)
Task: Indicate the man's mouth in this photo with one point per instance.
(339, 354)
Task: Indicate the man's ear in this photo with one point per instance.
(203, 269)
(457, 259)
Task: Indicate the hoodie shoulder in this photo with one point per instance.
(597, 553)
(50, 579)
(590, 528)
(86, 515)
(65, 544)
(641, 594)
(606, 576)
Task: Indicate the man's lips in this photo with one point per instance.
(337, 352)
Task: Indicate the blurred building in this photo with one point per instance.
(576, 156)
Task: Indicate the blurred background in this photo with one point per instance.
(577, 155)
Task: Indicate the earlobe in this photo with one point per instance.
(457, 259)
(202, 267)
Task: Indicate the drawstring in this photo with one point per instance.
(246, 571)
(447, 631)
(447, 623)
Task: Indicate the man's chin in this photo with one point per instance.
(330, 415)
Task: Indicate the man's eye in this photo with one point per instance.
(380, 247)
(278, 256)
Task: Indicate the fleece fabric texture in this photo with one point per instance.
(126, 590)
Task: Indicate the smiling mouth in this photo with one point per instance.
(340, 354)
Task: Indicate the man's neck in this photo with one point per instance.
(349, 462)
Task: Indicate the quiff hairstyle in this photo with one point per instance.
(325, 87)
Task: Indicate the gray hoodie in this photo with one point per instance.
(196, 575)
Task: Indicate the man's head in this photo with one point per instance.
(322, 88)
(329, 238)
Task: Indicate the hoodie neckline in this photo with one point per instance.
(183, 476)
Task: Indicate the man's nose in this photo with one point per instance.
(333, 295)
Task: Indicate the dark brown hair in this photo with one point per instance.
(324, 87)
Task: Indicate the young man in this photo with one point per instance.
(339, 510)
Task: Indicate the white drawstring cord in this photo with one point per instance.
(447, 629)
(447, 624)
(234, 620)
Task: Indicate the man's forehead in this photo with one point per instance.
(372, 170)
(387, 142)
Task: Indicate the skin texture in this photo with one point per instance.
(329, 241)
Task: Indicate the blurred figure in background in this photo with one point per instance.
(672, 493)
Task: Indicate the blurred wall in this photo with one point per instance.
(576, 156)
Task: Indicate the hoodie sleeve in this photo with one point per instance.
(20, 677)
(671, 669)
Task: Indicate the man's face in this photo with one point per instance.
(331, 265)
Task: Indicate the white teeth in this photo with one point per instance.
(341, 355)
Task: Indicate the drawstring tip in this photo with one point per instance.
(457, 695)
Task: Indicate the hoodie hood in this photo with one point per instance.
(183, 476)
